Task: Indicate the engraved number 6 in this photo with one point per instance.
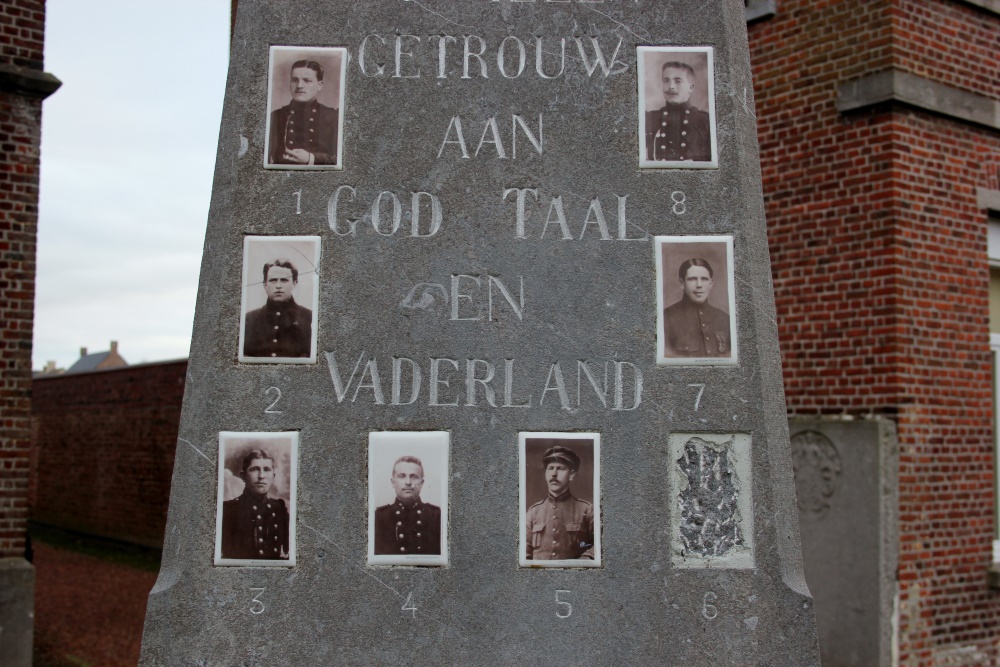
(709, 611)
(565, 608)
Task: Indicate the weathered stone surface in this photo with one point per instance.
(511, 324)
(845, 474)
(17, 611)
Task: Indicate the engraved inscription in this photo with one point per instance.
(409, 605)
(709, 610)
(529, 211)
(454, 143)
(563, 608)
(816, 463)
(256, 604)
(708, 507)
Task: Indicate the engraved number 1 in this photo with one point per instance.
(298, 201)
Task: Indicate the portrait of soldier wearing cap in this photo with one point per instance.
(560, 526)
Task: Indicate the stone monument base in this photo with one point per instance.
(17, 611)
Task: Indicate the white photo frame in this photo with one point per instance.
(314, 126)
(690, 332)
(272, 330)
(567, 541)
(405, 530)
(253, 528)
(677, 127)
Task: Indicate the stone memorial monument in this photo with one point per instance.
(484, 367)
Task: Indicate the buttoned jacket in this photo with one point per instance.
(560, 529)
(677, 133)
(407, 530)
(278, 330)
(310, 126)
(696, 330)
(254, 527)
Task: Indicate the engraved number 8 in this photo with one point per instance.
(679, 199)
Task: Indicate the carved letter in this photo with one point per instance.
(456, 122)
(397, 377)
(331, 212)
(557, 207)
(560, 386)
(491, 126)
(538, 59)
(399, 57)
(469, 54)
(519, 228)
(508, 387)
(623, 224)
(371, 368)
(436, 215)
(520, 57)
(471, 380)
(361, 57)
(442, 52)
(619, 386)
(595, 208)
(599, 58)
(518, 310)
(583, 368)
(537, 143)
(397, 213)
(435, 373)
(338, 385)
(456, 279)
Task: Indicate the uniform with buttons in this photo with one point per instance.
(560, 529)
(278, 330)
(696, 330)
(408, 529)
(307, 125)
(678, 133)
(255, 527)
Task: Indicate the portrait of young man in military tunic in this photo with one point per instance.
(408, 498)
(280, 299)
(255, 516)
(560, 500)
(696, 300)
(305, 98)
(677, 107)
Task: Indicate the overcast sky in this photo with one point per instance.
(128, 152)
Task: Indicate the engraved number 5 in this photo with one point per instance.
(565, 608)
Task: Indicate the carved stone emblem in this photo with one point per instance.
(816, 464)
(709, 523)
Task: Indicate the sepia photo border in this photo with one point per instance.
(408, 443)
(523, 437)
(641, 54)
(292, 480)
(322, 52)
(252, 278)
(661, 278)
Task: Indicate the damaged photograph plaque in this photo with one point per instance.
(305, 104)
(677, 107)
(695, 300)
(560, 497)
(280, 299)
(255, 511)
(710, 480)
(408, 498)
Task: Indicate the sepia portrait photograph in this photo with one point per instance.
(255, 515)
(560, 499)
(305, 104)
(695, 300)
(280, 299)
(677, 107)
(408, 498)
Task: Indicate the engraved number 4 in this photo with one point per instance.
(410, 605)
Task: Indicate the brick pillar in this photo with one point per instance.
(23, 86)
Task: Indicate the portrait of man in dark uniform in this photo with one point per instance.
(559, 500)
(304, 132)
(408, 525)
(280, 328)
(696, 300)
(677, 121)
(255, 511)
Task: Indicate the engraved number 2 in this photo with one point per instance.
(298, 201)
(256, 604)
(269, 410)
(709, 611)
(679, 199)
(697, 399)
(410, 605)
(565, 608)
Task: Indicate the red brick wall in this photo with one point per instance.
(22, 30)
(879, 260)
(104, 450)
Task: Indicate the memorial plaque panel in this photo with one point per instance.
(486, 338)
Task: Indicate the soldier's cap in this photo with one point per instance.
(562, 455)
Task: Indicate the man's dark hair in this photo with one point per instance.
(313, 65)
(676, 65)
(249, 457)
(694, 261)
(284, 264)
(408, 459)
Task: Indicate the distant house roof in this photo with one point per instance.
(98, 360)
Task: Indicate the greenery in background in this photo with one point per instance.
(122, 553)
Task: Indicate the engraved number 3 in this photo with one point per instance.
(679, 199)
(256, 604)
